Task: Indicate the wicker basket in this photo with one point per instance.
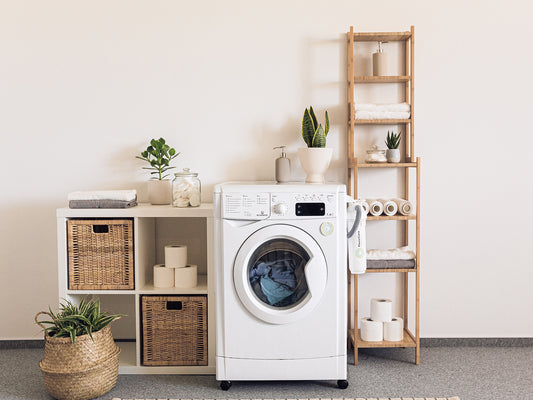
(100, 254)
(80, 371)
(174, 330)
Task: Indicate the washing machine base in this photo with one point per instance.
(239, 369)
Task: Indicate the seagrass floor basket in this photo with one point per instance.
(80, 371)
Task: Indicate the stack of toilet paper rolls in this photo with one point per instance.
(175, 272)
(381, 325)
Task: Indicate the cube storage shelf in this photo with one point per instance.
(153, 228)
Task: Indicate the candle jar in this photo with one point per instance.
(375, 155)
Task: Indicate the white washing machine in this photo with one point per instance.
(281, 282)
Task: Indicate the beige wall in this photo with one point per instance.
(84, 85)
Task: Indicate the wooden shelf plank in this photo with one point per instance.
(384, 270)
(381, 121)
(381, 36)
(382, 79)
(390, 217)
(384, 165)
(406, 342)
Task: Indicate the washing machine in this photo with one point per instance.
(281, 282)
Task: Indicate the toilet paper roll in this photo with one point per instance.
(381, 310)
(175, 256)
(163, 276)
(393, 330)
(404, 206)
(371, 331)
(375, 207)
(365, 206)
(389, 207)
(186, 277)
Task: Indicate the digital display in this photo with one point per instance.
(310, 209)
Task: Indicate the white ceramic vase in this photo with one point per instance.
(160, 191)
(315, 162)
(393, 155)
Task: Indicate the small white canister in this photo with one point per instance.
(186, 189)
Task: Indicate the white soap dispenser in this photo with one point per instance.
(283, 166)
(379, 62)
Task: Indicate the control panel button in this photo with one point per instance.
(326, 228)
(280, 208)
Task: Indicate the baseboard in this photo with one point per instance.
(424, 342)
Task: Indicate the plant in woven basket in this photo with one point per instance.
(393, 140)
(74, 320)
(158, 155)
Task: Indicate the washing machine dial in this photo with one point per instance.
(280, 208)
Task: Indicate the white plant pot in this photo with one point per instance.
(393, 155)
(160, 191)
(315, 162)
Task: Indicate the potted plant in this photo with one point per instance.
(159, 155)
(80, 357)
(316, 157)
(392, 142)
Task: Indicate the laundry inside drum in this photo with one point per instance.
(276, 273)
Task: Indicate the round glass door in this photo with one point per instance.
(280, 273)
(276, 273)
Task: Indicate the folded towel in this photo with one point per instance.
(382, 115)
(105, 203)
(404, 206)
(121, 195)
(401, 253)
(384, 264)
(398, 107)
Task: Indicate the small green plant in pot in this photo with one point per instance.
(316, 157)
(159, 155)
(80, 357)
(393, 142)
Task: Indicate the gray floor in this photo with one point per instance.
(472, 373)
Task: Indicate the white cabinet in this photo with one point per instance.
(153, 228)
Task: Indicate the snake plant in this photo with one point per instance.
(393, 140)
(313, 133)
(74, 320)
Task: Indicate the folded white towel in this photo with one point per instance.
(123, 195)
(382, 115)
(401, 253)
(397, 107)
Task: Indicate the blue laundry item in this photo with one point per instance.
(281, 271)
(274, 291)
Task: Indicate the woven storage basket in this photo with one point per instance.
(80, 371)
(174, 330)
(100, 254)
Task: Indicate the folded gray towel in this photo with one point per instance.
(102, 203)
(384, 264)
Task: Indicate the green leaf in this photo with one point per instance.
(308, 129)
(327, 124)
(319, 139)
(313, 118)
(172, 152)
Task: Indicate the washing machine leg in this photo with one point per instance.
(225, 385)
(342, 383)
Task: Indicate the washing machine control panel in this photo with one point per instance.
(296, 205)
(252, 206)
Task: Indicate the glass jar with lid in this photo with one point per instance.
(186, 189)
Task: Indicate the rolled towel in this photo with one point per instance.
(397, 107)
(389, 207)
(404, 206)
(120, 195)
(365, 206)
(375, 207)
(382, 115)
(400, 253)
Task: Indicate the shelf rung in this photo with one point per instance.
(385, 165)
(384, 270)
(382, 79)
(390, 217)
(381, 36)
(408, 341)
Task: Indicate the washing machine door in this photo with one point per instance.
(280, 274)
